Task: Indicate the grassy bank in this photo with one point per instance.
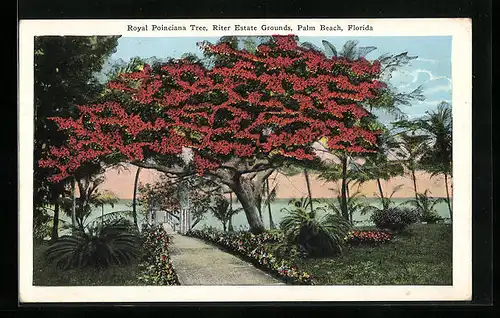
(45, 274)
(423, 256)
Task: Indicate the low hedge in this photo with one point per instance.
(251, 247)
(156, 268)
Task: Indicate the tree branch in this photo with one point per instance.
(174, 172)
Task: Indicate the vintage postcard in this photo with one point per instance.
(245, 160)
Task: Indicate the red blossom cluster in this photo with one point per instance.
(297, 95)
(368, 237)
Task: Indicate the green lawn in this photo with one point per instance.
(422, 256)
(46, 275)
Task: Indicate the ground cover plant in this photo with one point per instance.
(253, 249)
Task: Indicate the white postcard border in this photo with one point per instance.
(459, 29)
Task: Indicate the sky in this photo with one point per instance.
(431, 68)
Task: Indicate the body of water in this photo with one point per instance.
(239, 220)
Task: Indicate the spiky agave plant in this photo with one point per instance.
(115, 242)
(318, 236)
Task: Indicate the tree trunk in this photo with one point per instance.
(271, 222)
(380, 189)
(414, 178)
(343, 191)
(244, 195)
(73, 203)
(55, 224)
(306, 175)
(230, 225)
(448, 201)
(134, 199)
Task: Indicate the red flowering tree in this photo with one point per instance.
(234, 122)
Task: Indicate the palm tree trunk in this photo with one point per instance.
(343, 191)
(271, 222)
(306, 175)
(414, 178)
(73, 202)
(379, 184)
(134, 199)
(448, 196)
(55, 224)
(230, 225)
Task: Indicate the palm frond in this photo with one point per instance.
(330, 50)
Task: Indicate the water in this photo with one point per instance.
(239, 220)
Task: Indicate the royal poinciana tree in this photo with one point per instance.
(234, 122)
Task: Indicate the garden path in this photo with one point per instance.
(199, 263)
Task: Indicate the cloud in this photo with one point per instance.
(432, 61)
(416, 75)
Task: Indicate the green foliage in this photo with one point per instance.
(116, 242)
(437, 125)
(156, 267)
(385, 202)
(64, 75)
(395, 219)
(223, 211)
(426, 207)
(422, 257)
(354, 204)
(316, 236)
(41, 226)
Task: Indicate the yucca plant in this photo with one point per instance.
(318, 236)
(115, 242)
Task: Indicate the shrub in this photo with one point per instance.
(317, 236)
(115, 242)
(156, 267)
(368, 237)
(252, 248)
(395, 219)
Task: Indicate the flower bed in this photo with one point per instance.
(251, 247)
(368, 237)
(156, 267)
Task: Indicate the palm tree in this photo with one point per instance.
(308, 184)
(134, 199)
(412, 148)
(425, 206)
(386, 202)
(270, 196)
(223, 211)
(438, 160)
(73, 202)
(345, 174)
(380, 166)
(354, 204)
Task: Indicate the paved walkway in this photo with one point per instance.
(199, 263)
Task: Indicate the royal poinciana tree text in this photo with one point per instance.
(234, 121)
